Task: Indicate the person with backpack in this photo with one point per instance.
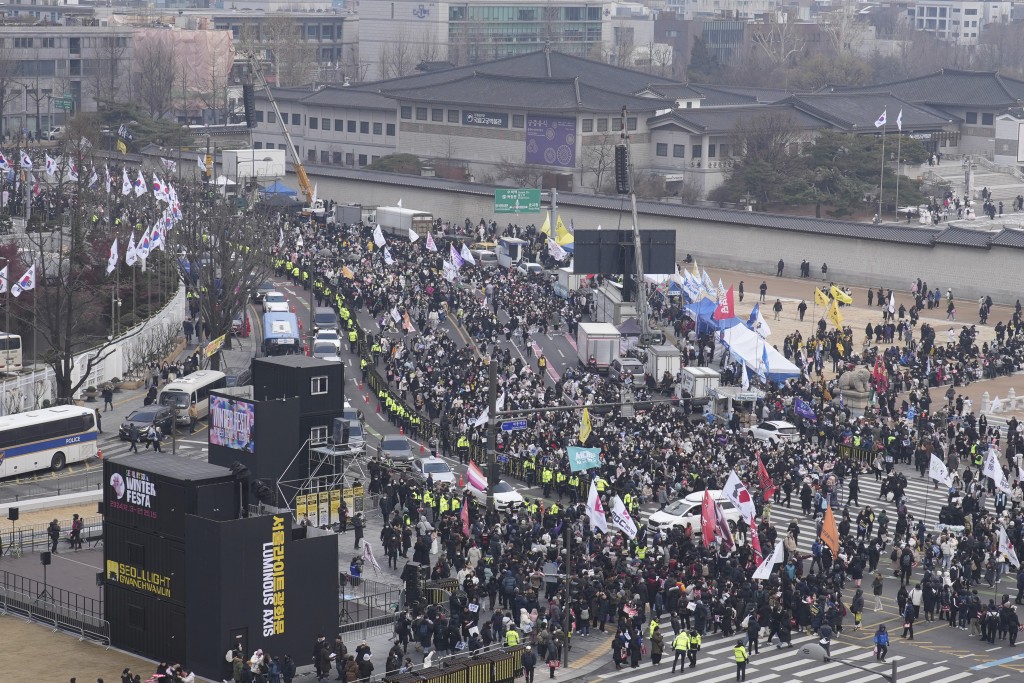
(906, 565)
(857, 608)
(908, 620)
(816, 549)
(881, 643)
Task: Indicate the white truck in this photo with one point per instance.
(662, 358)
(600, 341)
(699, 383)
(567, 281)
(397, 221)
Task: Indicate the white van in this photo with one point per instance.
(194, 388)
(485, 258)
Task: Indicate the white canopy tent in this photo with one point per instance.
(749, 348)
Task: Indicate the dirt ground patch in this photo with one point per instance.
(32, 652)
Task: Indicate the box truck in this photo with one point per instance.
(662, 358)
(600, 341)
(699, 383)
(397, 221)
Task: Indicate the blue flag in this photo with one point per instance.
(801, 408)
(752, 320)
(764, 357)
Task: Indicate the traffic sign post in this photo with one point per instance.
(513, 425)
(517, 201)
(65, 103)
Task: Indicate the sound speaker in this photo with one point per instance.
(411, 572)
(99, 578)
(12, 514)
(99, 508)
(44, 558)
(249, 104)
(621, 170)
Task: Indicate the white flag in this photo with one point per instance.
(745, 379)
(892, 302)
(280, 236)
(449, 270)
(112, 261)
(312, 201)
(1006, 549)
(395, 314)
(994, 471)
(938, 471)
(622, 519)
(430, 243)
(387, 257)
(51, 166)
(736, 492)
(761, 325)
(899, 120)
(467, 255)
(595, 509)
(413, 236)
(201, 163)
(764, 570)
(106, 170)
(26, 283)
(378, 237)
(131, 257)
(881, 120)
(140, 185)
(709, 286)
(556, 250)
(3, 280)
(126, 184)
(399, 204)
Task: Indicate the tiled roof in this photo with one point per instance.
(721, 121)
(338, 96)
(954, 88)
(486, 90)
(1008, 237)
(675, 91)
(964, 237)
(858, 111)
(540, 64)
(733, 95)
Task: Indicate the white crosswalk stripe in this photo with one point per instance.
(716, 665)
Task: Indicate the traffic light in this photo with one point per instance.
(621, 170)
(249, 104)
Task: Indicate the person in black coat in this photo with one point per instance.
(529, 663)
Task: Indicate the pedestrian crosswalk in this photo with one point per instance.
(193, 447)
(715, 664)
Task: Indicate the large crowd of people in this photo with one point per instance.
(638, 589)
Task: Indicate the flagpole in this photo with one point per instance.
(881, 175)
(899, 144)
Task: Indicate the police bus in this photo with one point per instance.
(281, 334)
(49, 438)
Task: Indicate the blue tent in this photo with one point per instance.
(277, 187)
(703, 312)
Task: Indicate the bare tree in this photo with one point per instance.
(842, 26)
(398, 58)
(227, 252)
(519, 174)
(464, 47)
(623, 44)
(779, 41)
(154, 75)
(104, 78)
(10, 87)
(597, 159)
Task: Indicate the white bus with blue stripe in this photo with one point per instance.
(46, 439)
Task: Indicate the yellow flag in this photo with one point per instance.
(829, 532)
(842, 349)
(562, 235)
(820, 297)
(546, 228)
(840, 295)
(834, 316)
(214, 346)
(585, 426)
(347, 272)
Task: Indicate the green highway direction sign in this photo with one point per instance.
(65, 103)
(517, 201)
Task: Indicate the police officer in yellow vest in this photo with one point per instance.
(680, 645)
(462, 449)
(352, 341)
(546, 475)
(574, 489)
(739, 653)
(512, 637)
(694, 647)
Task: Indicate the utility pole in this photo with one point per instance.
(493, 475)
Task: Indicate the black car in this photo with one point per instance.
(261, 291)
(161, 416)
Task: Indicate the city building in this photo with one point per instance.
(48, 72)
(958, 21)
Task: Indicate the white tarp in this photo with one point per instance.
(748, 347)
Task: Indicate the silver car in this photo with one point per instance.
(396, 449)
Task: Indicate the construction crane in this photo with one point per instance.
(300, 170)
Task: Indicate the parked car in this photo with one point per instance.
(775, 432)
(326, 351)
(55, 133)
(505, 497)
(620, 368)
(395, 448)
(144, 418)
(687, 510)
(436, 468)
(530, 268)
(275, 302)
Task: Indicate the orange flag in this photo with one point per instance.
(829, 532)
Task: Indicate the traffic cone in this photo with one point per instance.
(378, 409)
(422, 449)
(401, 430)
(366, 397)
